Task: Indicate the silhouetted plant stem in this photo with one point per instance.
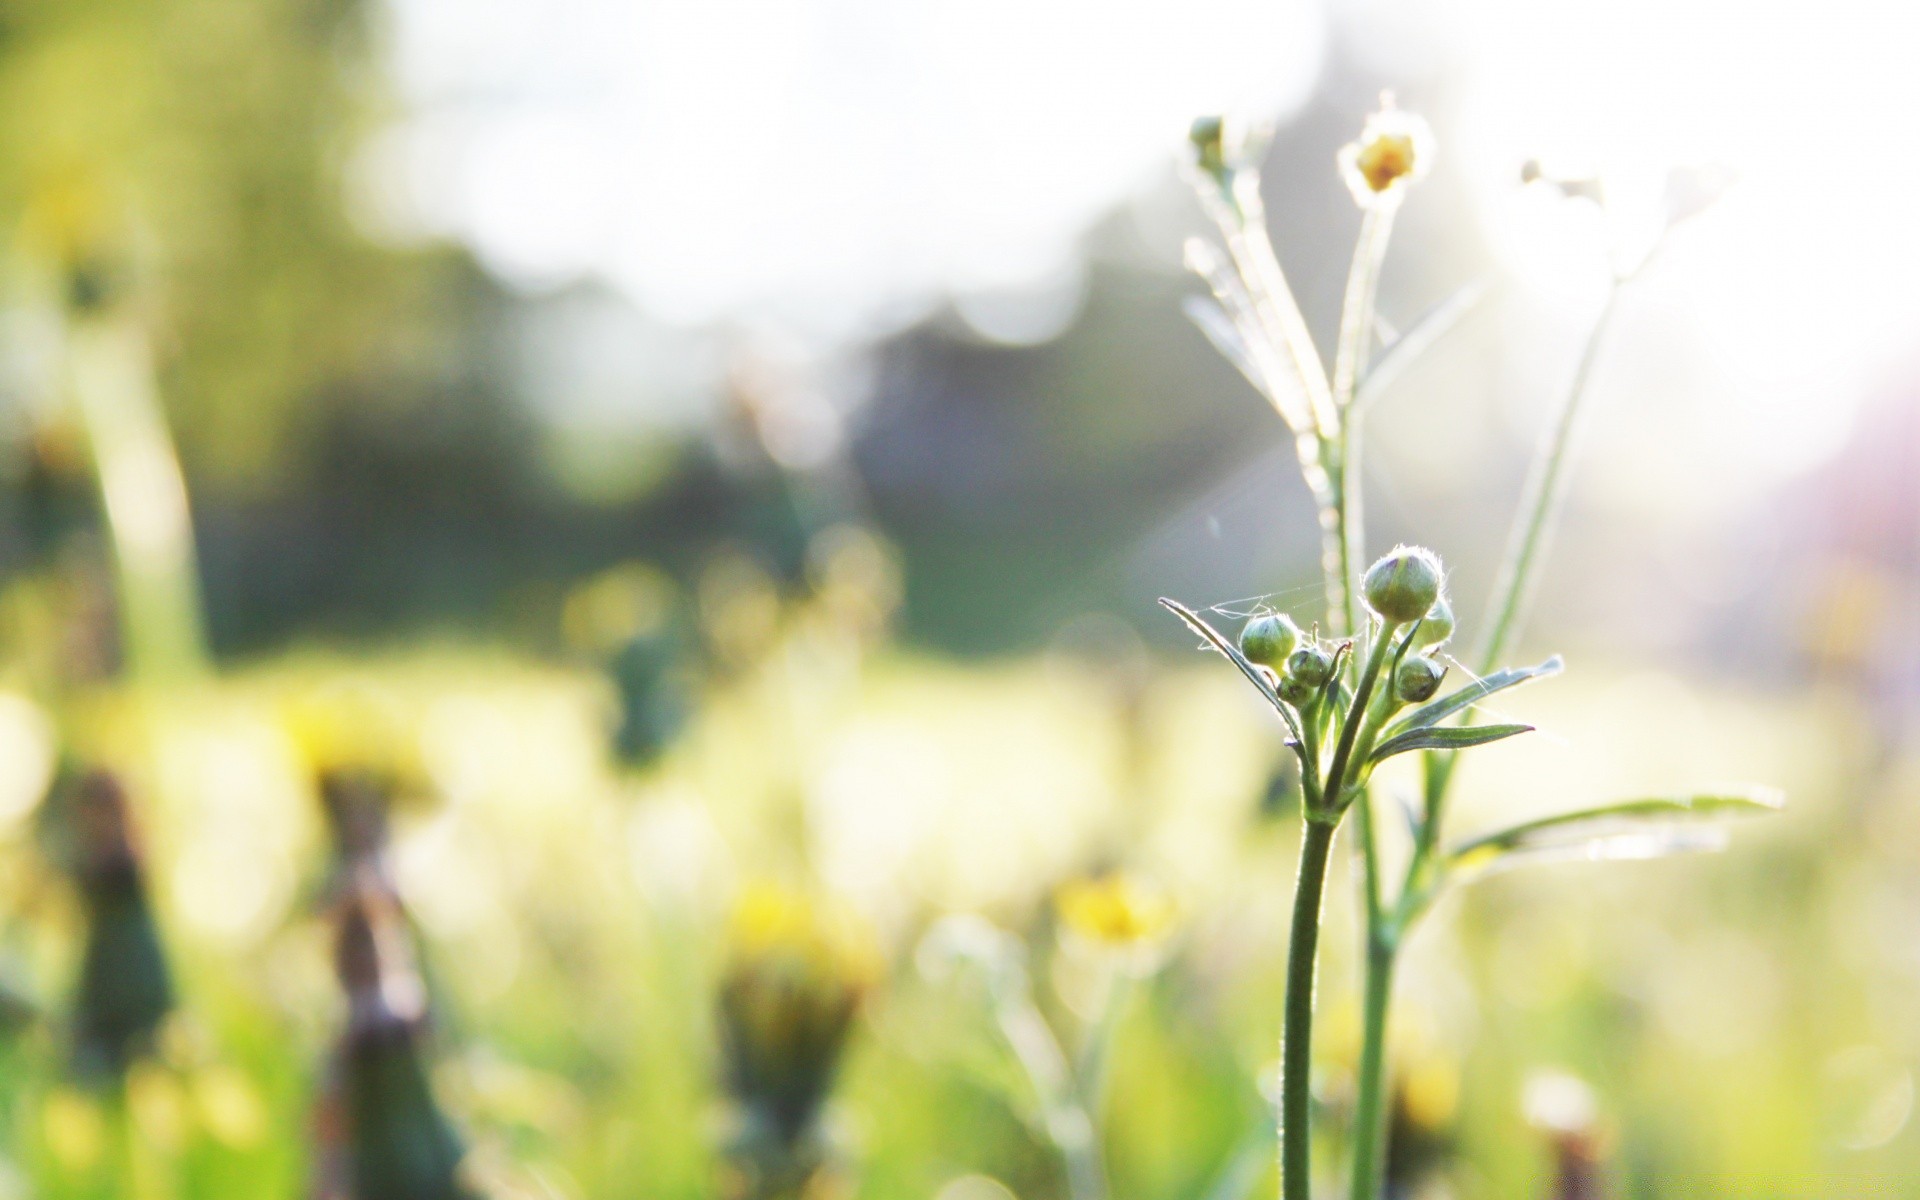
(1540, 507)
(1296, 1042)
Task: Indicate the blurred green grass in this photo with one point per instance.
(1743, 1020)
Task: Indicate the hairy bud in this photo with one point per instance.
(1310, 666)
(1268, 640)
(1436, 628)
(1294, 692)
(1403, 585)
(1417, 679)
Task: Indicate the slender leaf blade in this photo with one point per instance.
(1232, 653)
(1439, 710)
(1444, 739)
(1405, 350)
(1213, 321)
(1636, 816)
(1622, 846)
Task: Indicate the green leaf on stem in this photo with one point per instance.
(1473, 693)
(1445, 739)
(1212, 320)
(1651, 827)
(1406, 349)
(1225, 646)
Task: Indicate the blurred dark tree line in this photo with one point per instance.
(367, 453)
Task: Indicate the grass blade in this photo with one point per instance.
(1406, 349)
(1621, 817)
(1445, 739)
(1233, 655)
(1473, 693)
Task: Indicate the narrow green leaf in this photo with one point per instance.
(1232, 652)
(1445, 739)
(1213, 321)
(1624, 846)
(1439, 710)
(1621, 818)
(1406, 349)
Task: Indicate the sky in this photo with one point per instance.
(838, 167)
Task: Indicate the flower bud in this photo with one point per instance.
(1310, 666)
(1209, 138)
(1394, 151)
(1403, 585)
(1294, 692)
(1269, 639)
(1437, 626)
(1417, 679)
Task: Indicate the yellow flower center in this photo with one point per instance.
(1386, 160)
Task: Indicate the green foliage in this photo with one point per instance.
(197, 153)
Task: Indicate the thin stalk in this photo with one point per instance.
(1545, 495)
(1317, 435)
(1096, 1052)
(1350, 363)
(1369, 1115)
(1340, 529)
(1253, 253)
(1296, 1047)
(143, 498)
(1542, 501)
(1356, 311)
(1068, 1122)
(1296, 1043)
(1357, 717)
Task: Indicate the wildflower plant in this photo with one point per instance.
(380, 1130)
(799, 972)
(1119, 924)
(125, 991)
(1373, 687)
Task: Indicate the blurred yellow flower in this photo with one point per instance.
(67, 216)
(74, 1128)
(229, 1107)
(799, 969)
(773, 925)
(157, 1104)
(1394, 149)
(1430, 1092)
(1115, 910)
(354, 727)
(616, 606)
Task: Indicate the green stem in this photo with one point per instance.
(1259, 265)
(1296, 1046)
(1296, 1043)
(1356, 312)
(1343, 452)
(1369, 1116)
(143, 498)
(1357, 717)
(1342, 522)
(1069, 1122)
(1544, 497)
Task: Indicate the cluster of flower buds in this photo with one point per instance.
(1402, 588)
(1407, 587)
(1406, 591)
(1300, 665)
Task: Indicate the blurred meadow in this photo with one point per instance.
(577, 599)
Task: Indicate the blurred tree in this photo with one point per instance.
(207, 143)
